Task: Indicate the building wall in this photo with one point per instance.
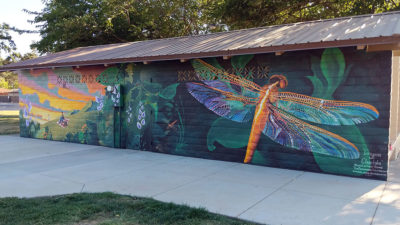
(394, 129)
(169, 109)
(68, 104)
(197, 109)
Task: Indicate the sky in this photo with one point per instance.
(11, 13)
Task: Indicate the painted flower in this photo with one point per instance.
(27, 111)
(141, 116)
(99, 101)
(27, 122)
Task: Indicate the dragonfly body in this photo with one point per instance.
(260, 118)
(279, 115)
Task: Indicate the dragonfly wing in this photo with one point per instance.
(327, 112)
(206, 71)
(289, 131)
(220, 99)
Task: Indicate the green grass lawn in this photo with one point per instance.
(9, 122)
(103, 208)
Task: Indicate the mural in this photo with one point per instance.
(278, 114)
(320, 110)
(68, 104)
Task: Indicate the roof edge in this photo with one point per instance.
(269, 49)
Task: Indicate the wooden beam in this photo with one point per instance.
(383, 47)
(361, 47)
(279, 53)
(226, 57)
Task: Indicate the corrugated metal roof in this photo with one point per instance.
(339, 32)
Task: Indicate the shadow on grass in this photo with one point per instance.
(104, 208)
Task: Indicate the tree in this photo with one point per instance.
(239, 14)
(6, 43)
(66, 24)
(9, 80)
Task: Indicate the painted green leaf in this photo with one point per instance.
(150, 87)
(332, 67)
(229, 134)
(203, 71)
(260, 159)
(318, 86)
(239, 62)
(169, 92)
(329, 73)
(110, 76)
(129, 73)
(154, 106)
(81, 137)
(213, 62)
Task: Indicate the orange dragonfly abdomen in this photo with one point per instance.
(260, 120)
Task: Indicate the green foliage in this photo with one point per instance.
(66, 24)
(152, 112)
(239, 14)
(91, 133)
(105, 128)
(6, 42)
(28, 129)
(229, 134)
(9, 80)
(329, 73)
(110, 76)
(169, 92)
(239, 62)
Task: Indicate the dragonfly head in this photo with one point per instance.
(280, 80)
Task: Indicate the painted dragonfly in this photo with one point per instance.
(279, 115)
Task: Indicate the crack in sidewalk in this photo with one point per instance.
(279, 188)
(379, 202)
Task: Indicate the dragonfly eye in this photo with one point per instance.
(282, 81)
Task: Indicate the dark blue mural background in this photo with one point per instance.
(160, 114)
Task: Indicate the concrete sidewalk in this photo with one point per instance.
(31, 167)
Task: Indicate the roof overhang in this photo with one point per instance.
(371, 44)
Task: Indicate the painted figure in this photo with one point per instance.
(62, 122)
(279, 115)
